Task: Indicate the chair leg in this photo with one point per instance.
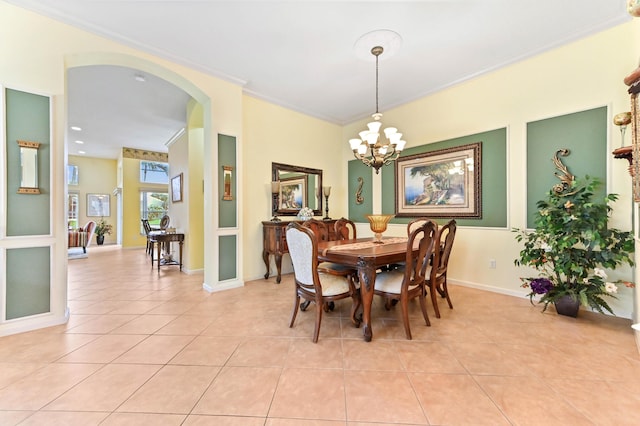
(444, 292)
(295, 310)
(404, 303)
(316, 331)
(423, 306)
(434, 299)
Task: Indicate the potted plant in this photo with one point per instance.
(102, 228)
(572, 245)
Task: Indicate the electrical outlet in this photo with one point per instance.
(492, 264)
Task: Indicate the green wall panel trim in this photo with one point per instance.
(227, 257)
(28, 276)
(358, 170)
(27, 118)
(583, 133)
(494, 178)
(227, 209)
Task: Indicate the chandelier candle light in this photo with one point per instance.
(369, 148)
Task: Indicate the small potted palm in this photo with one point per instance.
(102, 228)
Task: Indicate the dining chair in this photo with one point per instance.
(345, 229)
(312, 285)
(409, 283)
(411, 226)
(149, 233)
(437, 279)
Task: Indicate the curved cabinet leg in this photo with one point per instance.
(279, 267)
(265, 257)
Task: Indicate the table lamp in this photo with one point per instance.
(275, 193)
(326, 190)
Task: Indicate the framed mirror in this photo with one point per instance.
(298, 187)
(28, 167)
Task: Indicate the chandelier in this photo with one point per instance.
(370, 147)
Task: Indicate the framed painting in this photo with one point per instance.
(443, 183)
(293, 194)
(98, 205)
(176, 189)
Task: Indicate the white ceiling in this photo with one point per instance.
(300, 54)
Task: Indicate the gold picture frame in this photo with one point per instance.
(176, 189)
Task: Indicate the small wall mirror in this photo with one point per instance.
(28, 167)
(299, 187)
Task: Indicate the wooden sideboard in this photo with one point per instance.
(274, 242)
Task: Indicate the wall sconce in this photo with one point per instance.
(275, 194)
(326, 190)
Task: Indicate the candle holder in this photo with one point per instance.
(275, 194)
(378, 224)
(326, 190)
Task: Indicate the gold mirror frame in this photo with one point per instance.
(28, 167)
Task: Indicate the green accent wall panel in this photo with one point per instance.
(493, 178)
(357, 211)
(227, 257)
(227, 157)
(583, 133)
(28, 276)
(28, 118)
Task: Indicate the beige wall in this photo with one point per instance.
(96, 176)
(276, 134)
(586, 74)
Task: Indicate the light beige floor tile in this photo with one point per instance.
(155, 350)
(298, 387)
(106, 389)
(199, 420)
(143, 419)
(53, 418)
(43, 386)
(144, 324)
(104, 349)
(11, 372)
(187, 325)
(428, 357)
(303, 353)
(12, 418)
(103, 324)
(455, 399)
(376, 355)
(381, 396)
(613, 404)
(261, 352)
(174, 389)
(204, 350)
(538, 405)
(235, 392)
(306, 422)
(489, 358)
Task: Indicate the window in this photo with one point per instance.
(72, 210)
(72, 175)
(153, 205)
(154, 172)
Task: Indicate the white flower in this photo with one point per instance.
(546, 247)
(599, 272)
(585, 280)
(611, 288)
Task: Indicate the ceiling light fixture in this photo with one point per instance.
(369, 148)
(76, 128)
(79, 142)
(139, 77)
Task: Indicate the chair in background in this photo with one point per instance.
(150, 237)
(345, 229)
(414, 224)
(409, 283)
(411, 226)
(437, 279)
(310, 284)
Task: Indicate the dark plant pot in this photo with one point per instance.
(567, 305)
(100, 239)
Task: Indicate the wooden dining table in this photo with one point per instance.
(366, 256)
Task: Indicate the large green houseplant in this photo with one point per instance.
(572, 245)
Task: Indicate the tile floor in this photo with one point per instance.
(149, 348)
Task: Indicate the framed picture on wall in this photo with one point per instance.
(176, 189)
(293, 194)
(442, 183)
(98, 205)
